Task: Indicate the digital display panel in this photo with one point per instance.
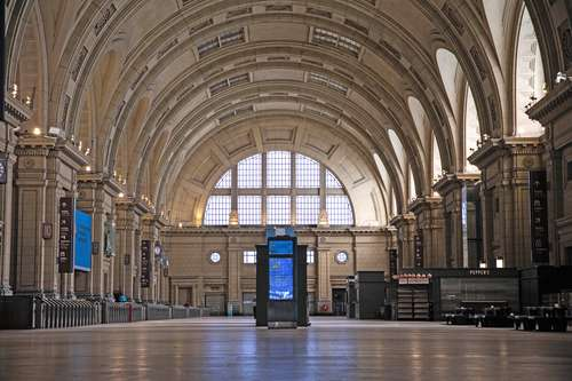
(83, 237)
(281, 247)
(281, 272)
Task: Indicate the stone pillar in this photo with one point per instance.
(505, 165)
(151, 226)
(96, 196)
(7, 143)
(128, 216)
(455, 189)
(406, 229)
(554, 112)
(234, 290)
(47, 171)
(429, 216)
(323, 282)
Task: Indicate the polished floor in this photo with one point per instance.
(332, 349)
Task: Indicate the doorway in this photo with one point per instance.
(216, 304)
(185, 296)
(339, 301)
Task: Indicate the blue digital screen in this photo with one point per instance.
(281, 279)
(280, 247)
(82, 241)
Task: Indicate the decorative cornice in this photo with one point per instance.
(70, 154)
(453, 181)
(402, 220)
(32, 145)
(495, 148)
(111, 185)
(555, 103)
(253, 231)
(424, 203)
(16, 112)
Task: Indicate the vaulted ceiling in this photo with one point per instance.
(168, 93)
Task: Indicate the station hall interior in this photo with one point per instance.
(348, 187)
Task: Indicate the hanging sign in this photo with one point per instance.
(538, 217)
(66, 244)
(418, 246)
(146, 263)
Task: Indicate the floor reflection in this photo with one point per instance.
(331, 349)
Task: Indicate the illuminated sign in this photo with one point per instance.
(280, 247)
(281, 272)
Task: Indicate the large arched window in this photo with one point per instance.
(278, 188)
(529, 77)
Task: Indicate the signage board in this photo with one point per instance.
(392, 262)
(82, 243)
(539, 217)
(146, 263)
(418, 249)
(281, 273)
(66, 241)
(280, 247)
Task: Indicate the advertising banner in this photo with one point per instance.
(83, 243)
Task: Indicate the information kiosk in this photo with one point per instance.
(281, 292)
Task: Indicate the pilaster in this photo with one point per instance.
(406, 229)
(430, 223)
(505, 165)
(457, 191)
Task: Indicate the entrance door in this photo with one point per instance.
(339, 301)
(185, 296)
(215, 303)
(248, 300)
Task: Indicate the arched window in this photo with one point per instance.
(472, 130)
(529, 77)
(279, 188)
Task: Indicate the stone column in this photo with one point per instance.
(31, 185)
(151, 226)
(455, 190)
(505, 165)
(47, 169)
(406, 229)
(234, 290)
(128, 215)
(7, 143)
(96, 196)
(323, 282)
(429, 216)
(16, 114)
(554, 112)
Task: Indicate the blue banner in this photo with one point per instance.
(83, 240)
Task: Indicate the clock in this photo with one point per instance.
(158, 250)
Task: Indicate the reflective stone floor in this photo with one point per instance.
(332, 349)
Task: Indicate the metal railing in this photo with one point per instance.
(33, 312)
